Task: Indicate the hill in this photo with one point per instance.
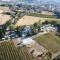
(50, 42)
(8, 51)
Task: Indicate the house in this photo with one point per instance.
(27, 31)
(48, 28)
(12, 35)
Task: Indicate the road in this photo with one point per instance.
(39, 34)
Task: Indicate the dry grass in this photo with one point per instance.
(4, 18)
(1, 11)
(27, 20)
(4, 9)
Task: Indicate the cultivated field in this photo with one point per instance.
(50, 42)
(49, 19)
(8, 51)
(45, 15)
(4, 9)
(28, 20)
(4, 18)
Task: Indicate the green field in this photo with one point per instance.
(41, 15)
(9, 52)
(50, 42)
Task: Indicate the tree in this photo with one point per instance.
(2, 5)
(57, 58)
(1, 33)
(58, 30)
(34, 28)
(53, 22)
(7, 24)
(19, 29)
(12, 27)
(46, 22)
(39, 25)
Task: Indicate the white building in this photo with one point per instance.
(48, 28)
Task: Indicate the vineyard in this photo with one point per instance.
(50, 41)
(9, 52)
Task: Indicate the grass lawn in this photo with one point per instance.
(58, 21)
(50, 42)
(41, 15)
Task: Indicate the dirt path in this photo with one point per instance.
(34, 48)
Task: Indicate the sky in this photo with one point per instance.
(30, 1)
(6, 0)
(35, 0)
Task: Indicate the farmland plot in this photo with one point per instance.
(8, 51)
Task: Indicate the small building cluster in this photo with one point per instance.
(48, 28)
(26, 31)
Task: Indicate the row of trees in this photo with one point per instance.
(2, 32)
(34, 27)
(50, 22)
(3, 29)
